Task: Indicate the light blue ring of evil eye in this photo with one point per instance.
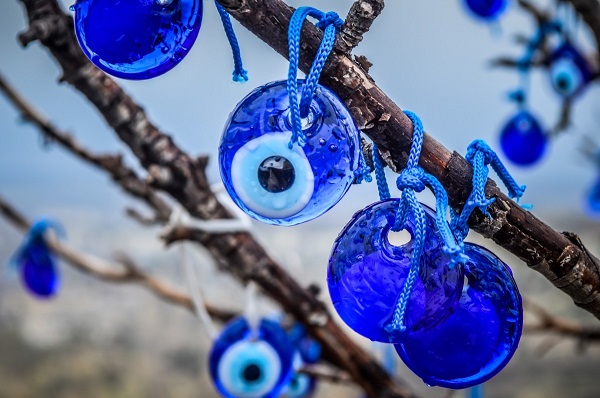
(244, 168)
(238, 357)
(566, 68)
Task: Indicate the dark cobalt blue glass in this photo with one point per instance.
(366, 274)
(523, 139)
(481, 335)
(570, 72)
(277, 184)
(37, 266)
(137, 39)
(251, 364)
(486, 9)
(593, 198)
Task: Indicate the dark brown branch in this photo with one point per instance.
(125, 271)
(564, 262)
(548, 323)
(184, 179)
(113, 164)
(361, 16)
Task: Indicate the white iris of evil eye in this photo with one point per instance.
(244, 176)
(568, 71)
(243, 354)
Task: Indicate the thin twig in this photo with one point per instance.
(361, 16)
(548, 323)
(124, 271)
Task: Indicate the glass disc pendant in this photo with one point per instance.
(366, 274)
(481, 335)
(523, 140)
(38, 268)
(137, 39)
(570, 72)
(244, 364)
(486, 9)
(277, 184)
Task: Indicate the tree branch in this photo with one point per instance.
(113, 163)
(125, 271)
(548, 323)
(184, 179)
(563, 261)
(361, 16)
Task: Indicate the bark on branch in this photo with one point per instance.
(183, 177)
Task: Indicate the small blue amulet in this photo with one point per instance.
(486, 9)
(481, 335)
(523, 140)
(279, 184)
(38, 269)
(137, 39)
(301, 385)
(251, 364)
(570, 72)
(366, 274)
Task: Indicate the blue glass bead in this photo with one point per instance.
(478, 339)
(137, 39)
(523, 140)
(593, 198)
(486, 9)
(309, 350)
(279, 185)
(301, 385)
(251, 365)
(570, 72)
(366, 274)
(38, 268)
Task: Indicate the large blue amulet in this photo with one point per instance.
(137, 39)
(277, 184)
(247, 364)
(366, 274)
(478, 339)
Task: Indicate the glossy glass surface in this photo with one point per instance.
(366, 274)
(523, 139)
(137, 39)
(481, 335)
(486, 9)
(569, 71)
(323, 170)
(38, 268)
(251, 365)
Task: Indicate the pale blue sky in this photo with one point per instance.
(429, 56)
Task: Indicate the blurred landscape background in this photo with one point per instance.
(104, 340)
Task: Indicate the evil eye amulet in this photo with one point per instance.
(38, 268)
(301, 385)
(366, 274)
(481, 335)
(137, 39)
(284, 185)
(486, 9)
(523, 140)
(570, 72)
(251, 364)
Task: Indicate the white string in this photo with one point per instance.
(251, 311)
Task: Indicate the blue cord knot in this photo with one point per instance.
(330, 18)
(411, 179)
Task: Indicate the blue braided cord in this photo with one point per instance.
(240, 75)
(397, 325)
(382, 185)
(363, 172)
(480, 155)
(331, 22)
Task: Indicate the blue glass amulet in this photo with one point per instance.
(366, 274)
(251, 364)
(523, 140)
(137, 39)
(481, 335)
(570, 72)
(301, 385)
(37, 266)
(486, 9)
(277, 184)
